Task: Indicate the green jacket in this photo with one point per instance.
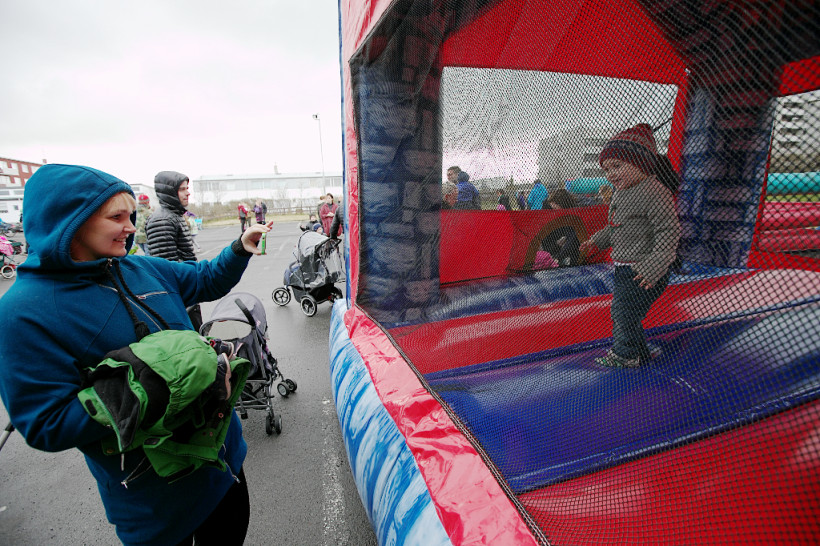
(157, 394)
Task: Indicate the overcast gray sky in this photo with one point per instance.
(202, 87)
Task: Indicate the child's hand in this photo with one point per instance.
(587, 248)
(645, 284)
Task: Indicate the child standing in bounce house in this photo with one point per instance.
(643, 231)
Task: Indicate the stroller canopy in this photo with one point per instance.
(318, 262)
(306, 247)
(230, 323)
(227, 309)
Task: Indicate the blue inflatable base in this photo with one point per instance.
(389, 481)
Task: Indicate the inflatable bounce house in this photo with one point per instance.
(472, 358)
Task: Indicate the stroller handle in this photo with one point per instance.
(6, 432)
(245, 311)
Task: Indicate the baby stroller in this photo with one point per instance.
(8, 265)
(239, 318)
(312, 276)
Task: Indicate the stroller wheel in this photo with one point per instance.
(336, 294)
(283, 390)
(281, 296)
(7, 271)
(273, 423)
(291, 384)
(308, 306)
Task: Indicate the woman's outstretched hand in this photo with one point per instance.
(250, 239)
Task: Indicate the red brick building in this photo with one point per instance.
(13, 176)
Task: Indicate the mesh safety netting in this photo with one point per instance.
(593, 229)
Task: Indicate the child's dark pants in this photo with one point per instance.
(630, 304)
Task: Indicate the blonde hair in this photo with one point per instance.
(119, 201)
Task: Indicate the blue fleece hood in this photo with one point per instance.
(58, 199)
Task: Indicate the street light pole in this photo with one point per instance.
(321, 153)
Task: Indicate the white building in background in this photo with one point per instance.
(574, 154)
(147, 189)
(795, 130)
(14, 174)
(279, 191)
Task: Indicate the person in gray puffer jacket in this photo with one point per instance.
(166, 229)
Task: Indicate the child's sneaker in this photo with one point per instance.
(612, 360)
(223, 347)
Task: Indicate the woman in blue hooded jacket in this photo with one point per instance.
(66, 310)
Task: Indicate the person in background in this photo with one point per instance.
(259, 212)
(504, 200)
(644, 231)
(80, 264)
(562, 199)
(326, 212)
(521, 200)
(193, 228)
(468, 197)
(538, 196)
(449, 195)
(143, 212)
(338, 223)
(465, 196)
(242, 208)
(319, 206)
(167, 231)
(452, 174)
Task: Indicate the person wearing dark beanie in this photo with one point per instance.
(643, 231)
(636, 145)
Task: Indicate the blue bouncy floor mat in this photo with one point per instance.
(550, 418)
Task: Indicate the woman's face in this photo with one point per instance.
(104, 234)
(622, 174)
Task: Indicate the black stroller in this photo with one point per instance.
(312, 276)
(240, 318)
